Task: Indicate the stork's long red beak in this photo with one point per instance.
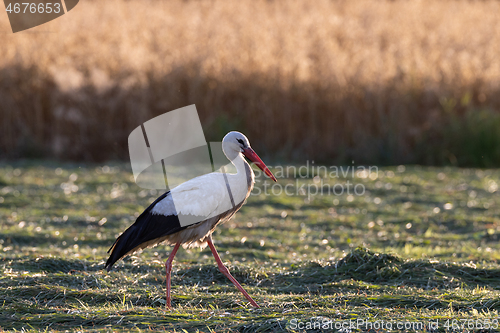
(252, 156)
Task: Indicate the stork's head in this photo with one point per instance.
(235, 143)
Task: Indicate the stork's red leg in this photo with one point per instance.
(225, 271)
(168, 268)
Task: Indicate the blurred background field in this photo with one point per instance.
(372, 81)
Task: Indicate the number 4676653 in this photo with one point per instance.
(26, 7)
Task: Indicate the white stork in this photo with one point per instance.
(200, 197)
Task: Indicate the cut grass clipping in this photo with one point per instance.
(419, 246)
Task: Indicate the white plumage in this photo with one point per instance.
(188, 214)
(206, 195)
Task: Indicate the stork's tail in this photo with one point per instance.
(121, 247)
(145, 229)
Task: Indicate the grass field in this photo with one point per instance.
(419, 246)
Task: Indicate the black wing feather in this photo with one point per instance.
(146, 228)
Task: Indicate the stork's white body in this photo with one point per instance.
(214, 198)
(204, 196)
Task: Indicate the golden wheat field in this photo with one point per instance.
(374, 81)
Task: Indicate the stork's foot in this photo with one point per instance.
(168, 305)
(225, 271)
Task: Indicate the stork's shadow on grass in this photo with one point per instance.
(53, 265)
(361, 265)
(43, 241)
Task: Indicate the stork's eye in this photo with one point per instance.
(241, 142)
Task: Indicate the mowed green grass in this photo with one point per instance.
(420, 245)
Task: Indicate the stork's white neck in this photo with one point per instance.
(239, 162)
(241, 166)
(242, 181)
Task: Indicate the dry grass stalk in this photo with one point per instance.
(362, 80)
